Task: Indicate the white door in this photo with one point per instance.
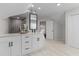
(73, 31)
(5, 47)
(49, 29)
(16, 46)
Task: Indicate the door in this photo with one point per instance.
(5, 47)
(73, 31)
(49, 29)
(16, 46)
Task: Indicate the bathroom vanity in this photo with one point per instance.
(23, 36)
(20, 44)
(32, 42)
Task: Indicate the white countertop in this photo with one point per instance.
(9, 35)
(18, 34)
(13, 34)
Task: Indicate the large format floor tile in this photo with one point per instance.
(56, 48)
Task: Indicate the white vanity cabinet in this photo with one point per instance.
(37, 41)
(41, 40)
(16, 45)
(4, 46)
(10, 46)
(26, 44)
(32, 42)
(21, 44)
(29, 43)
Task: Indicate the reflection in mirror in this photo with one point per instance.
(32, 21)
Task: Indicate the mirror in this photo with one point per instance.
(15, 23)
(32, 21)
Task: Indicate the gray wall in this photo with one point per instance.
(59, 31)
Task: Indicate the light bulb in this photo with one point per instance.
(58, 4)
(39, 8)
(32, 5)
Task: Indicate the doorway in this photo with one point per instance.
(49, 29)
(43, 27)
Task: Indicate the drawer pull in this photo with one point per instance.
(27, 48)
(26, 41)
(27, 37)
(38, 39)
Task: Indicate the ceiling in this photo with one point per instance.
(10, 9)
(52, 11)
(47, 11)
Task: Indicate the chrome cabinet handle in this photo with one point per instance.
(38, 39)
(11, 43)
(26, 37)
(27, 48)
(26, 41)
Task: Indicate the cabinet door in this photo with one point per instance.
(16, 46)
(4, 47)
(35, 43)
(41, 40)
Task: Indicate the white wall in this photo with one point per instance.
(59, 29)
(3, 26)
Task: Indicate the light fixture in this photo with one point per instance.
(39, 8)
(18, 17)
(32, 5)
(58, 4)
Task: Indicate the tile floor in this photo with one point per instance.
(56, 48)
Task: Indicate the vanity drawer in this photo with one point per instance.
(26, 42)
(26, 36)
(26, 50)
(26, 45)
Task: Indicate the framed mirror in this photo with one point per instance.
(32, 21)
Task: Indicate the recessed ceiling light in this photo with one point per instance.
(32, 5)
(18, 17)
(58, 4)
(39, 8)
